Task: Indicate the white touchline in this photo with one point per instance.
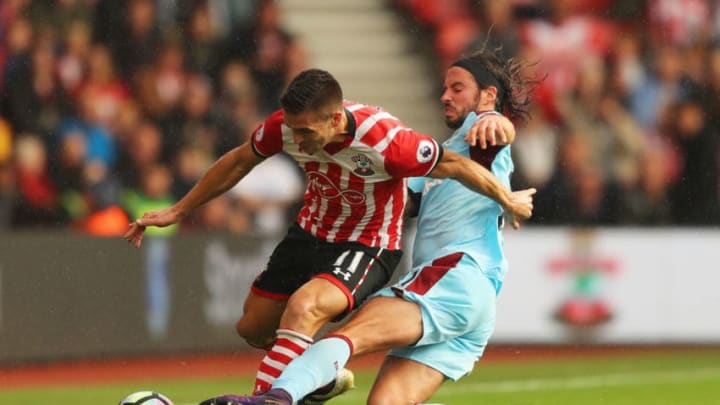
(562, 383)
(592, 381)
(567, 383)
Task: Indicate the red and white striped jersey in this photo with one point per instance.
(355, 191)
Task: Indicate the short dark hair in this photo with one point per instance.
(312, 90)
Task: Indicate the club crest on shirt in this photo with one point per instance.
(363, 165)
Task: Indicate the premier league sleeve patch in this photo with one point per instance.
(425, 151)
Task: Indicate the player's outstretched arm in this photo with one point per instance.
(490, 129)
(479, 179)
(222, 175)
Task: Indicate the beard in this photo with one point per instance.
(454, 124)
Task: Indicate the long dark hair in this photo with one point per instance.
(515, 92)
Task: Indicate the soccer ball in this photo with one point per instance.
(146, 398)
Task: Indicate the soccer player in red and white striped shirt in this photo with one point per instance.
(345, 242)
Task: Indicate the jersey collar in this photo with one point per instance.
(334, 148)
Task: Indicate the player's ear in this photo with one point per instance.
(490, 95)
(337, 118)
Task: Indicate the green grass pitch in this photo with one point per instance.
(672, 378)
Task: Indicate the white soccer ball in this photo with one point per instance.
(146, 398)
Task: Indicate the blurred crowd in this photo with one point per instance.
(109, 108)
(625, 127)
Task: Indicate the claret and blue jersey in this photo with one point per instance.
(470, 222)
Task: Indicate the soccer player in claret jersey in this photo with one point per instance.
(437, 319)
(345, 242)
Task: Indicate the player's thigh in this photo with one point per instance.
(349, 274)
(310, 307)
(454, 295)
(402, 381)
(382, 323)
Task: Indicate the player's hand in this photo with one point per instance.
(488, 131)
(160, 218)
(521, 206)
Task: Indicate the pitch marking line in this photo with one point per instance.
(569, 383)
(603, 380)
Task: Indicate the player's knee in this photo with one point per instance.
(394, 392)
(315, 302)
(242, 328)
(388, 397)
(252, 334)
(303, 307)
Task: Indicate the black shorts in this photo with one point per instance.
(356, 269)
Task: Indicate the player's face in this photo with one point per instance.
(461, 96)
(311, 131)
